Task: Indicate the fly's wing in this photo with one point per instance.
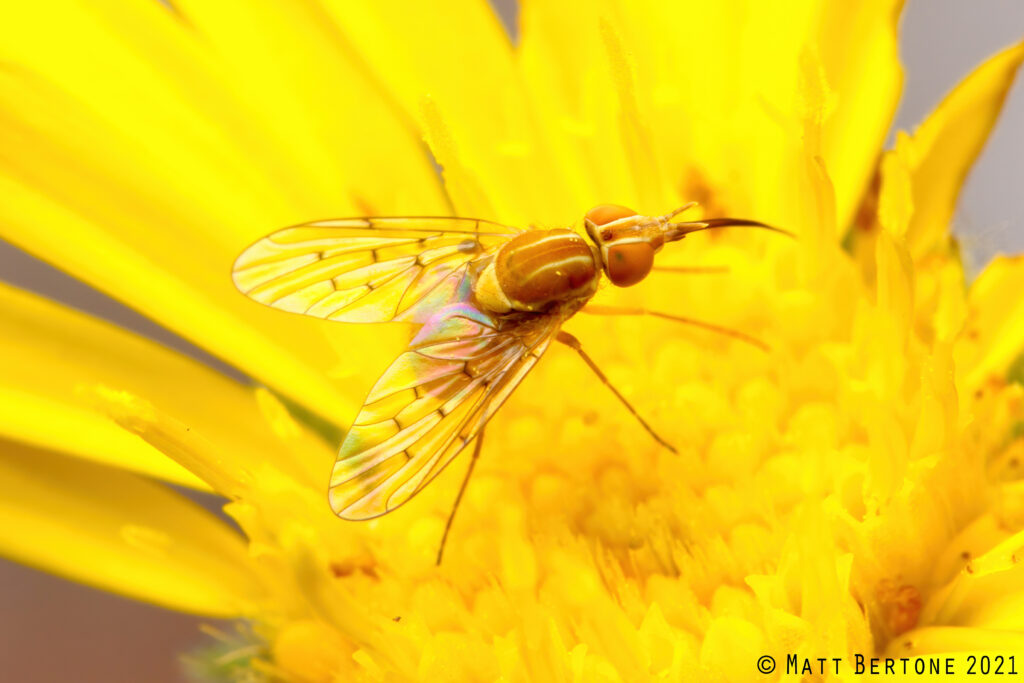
(367, 269)
(432, 401)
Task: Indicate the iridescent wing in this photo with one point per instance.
(367, 269)
(432, 401)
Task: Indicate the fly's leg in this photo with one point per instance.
(574, 343)
(623, 310)
(458, 498)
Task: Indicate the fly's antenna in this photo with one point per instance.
(672, 214)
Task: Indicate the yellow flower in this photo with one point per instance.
(856, 492)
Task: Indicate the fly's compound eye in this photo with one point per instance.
(629, 263)
(606, 213)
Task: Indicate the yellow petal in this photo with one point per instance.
(46, 351)
(945, 146)
(858, 44)
(119, 532)
(210, 155)
(313, 93)
(986, 594)
(993, 336)
(589, 66)
(957, 639)
(572, 88)
(54, 362)
(896, 194)
(456, 54)
(717, 92)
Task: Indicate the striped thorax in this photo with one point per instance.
(538, 269)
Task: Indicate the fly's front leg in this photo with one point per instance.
(574, 343)
(595, 309)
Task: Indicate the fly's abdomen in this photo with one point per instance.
(538, 268)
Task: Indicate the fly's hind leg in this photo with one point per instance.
(574, 343)
(623, 310)
(458, 498)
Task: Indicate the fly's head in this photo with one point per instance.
(627, 241)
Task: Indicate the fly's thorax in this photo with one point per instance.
(537, 269)
(488, 292)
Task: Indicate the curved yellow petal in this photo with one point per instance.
(58, 369)
(993, 337)
(920, 181)
(46, 352)
(122, 533)
(30, 417)
(957, 639)
(586, 74)
(451, 62)
(717, 95)
(213, 150)
(944, 147)
(859, 49)
(311, 91)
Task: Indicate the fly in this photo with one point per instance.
(490, 299)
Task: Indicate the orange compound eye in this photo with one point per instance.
(606, 213)
(629, 263)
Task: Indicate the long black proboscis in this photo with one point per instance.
(682, 229)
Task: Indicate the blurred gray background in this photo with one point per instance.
(51, 630)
